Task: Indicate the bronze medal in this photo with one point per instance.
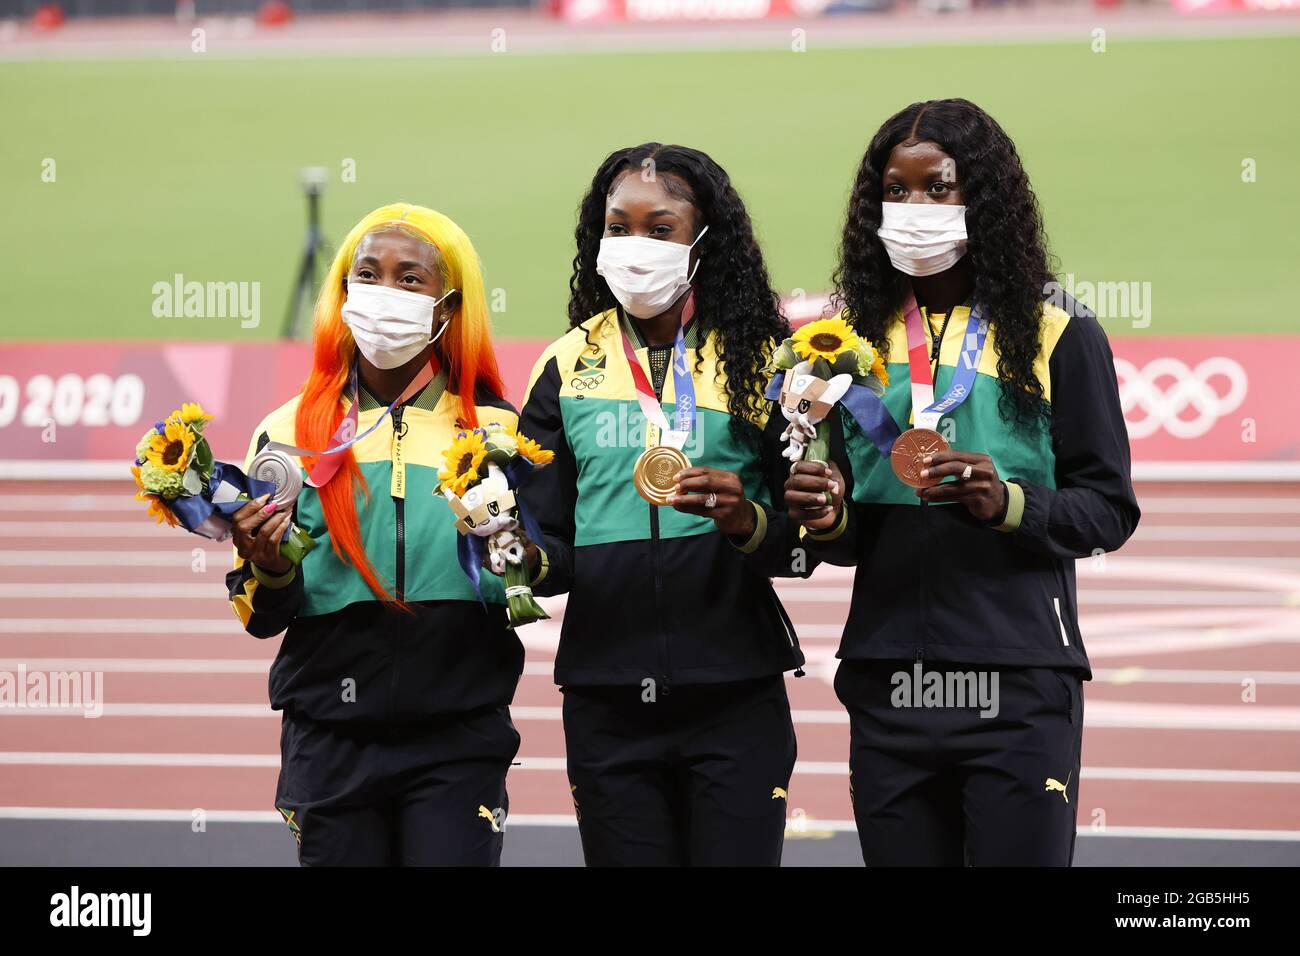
(910, 448)
(654, 470)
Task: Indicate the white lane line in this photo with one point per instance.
(1216, 533)
(7, 709)
(1130, 715)
(90, 626)
(140, 665)
(1111, 714)
(557, 764)
(83, 529)
(1263, 505)
(124, 590)
(1261, 577)
(179, 558)
(135, 814)
(22, 759)
(1172, 675)
(1087, 596)
(1191, 833)
(53, 504)
(1137, 644)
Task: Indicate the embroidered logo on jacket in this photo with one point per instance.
(589, 372)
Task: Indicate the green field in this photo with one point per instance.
(191, 166)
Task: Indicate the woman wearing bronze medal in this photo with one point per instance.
(659, 524)
(962, 662)
(394, 679)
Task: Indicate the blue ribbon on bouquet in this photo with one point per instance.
(867, 408)
(470, 548)
(193, 510)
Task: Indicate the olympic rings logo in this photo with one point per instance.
(593, 381)
(1214, 388)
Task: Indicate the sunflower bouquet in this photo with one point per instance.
(183, 485)
(823, 363)
(483, 468)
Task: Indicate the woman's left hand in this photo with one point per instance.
(713, 493)
(982, 492)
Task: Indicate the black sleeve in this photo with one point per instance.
(775, 549)
(265, 609)
(1093, 507)
(551, 494)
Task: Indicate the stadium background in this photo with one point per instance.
(1162, 148)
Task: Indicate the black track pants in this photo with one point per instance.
(432, 795)
(698, 777)
(943, 786)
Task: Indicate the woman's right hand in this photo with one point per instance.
(805, 494)
(257, 529)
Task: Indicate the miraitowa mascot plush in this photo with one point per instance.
(488, 511)
(806, 399)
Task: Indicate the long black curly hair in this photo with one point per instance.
(1007, 250)
(733, 296)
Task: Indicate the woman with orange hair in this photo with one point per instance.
(394, 678)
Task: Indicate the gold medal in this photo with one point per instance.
(654, 470)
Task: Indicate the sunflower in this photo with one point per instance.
(171, 450)
(463, 459)
(192, 413)
(824, 338)
(157, 510)
(532, 451)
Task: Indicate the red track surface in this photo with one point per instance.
(1205, 596)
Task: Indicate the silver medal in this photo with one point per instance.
(282, 469)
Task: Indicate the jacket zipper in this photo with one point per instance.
(936, 343)
(921, 569)
(665, 665)
(399, 506)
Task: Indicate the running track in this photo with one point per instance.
(1204, 598)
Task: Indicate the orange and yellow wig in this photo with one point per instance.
(465, 348)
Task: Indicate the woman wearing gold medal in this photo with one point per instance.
(658, 521)
(962, 662)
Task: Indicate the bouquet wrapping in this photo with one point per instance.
(823, 364)
(176, 474)
(484, 468)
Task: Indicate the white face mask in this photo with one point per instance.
(646, 275)
(390, 326)
(922, 238)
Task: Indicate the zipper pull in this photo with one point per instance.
(798, 671)
(397, 487)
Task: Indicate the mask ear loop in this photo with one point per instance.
(446, 322)
(691, 277)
